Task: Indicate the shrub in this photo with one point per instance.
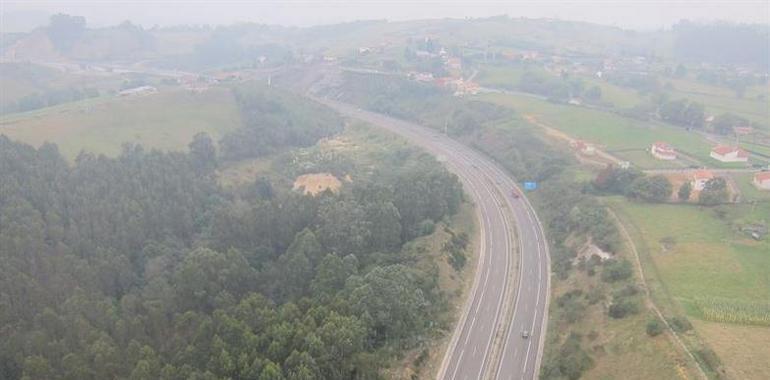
(654, 327)
(680, 324)
(616, 270)
(622, 307)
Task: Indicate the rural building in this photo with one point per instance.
(454, 63)
(663, 151)
(141, 90)
(726, 153)
(699, 179)
(583, 147)
(762, 180)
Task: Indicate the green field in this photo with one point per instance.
(609, 130)
(748, 190)
(503, 76)
(709, 258)
(165, 121)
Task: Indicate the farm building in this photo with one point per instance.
(699, 179)
(762, 180)
(726, 153)
(663, 151)
(141, 90)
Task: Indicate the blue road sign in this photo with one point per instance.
(530, 185)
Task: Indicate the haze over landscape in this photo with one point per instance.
(630, 14)
(453, 190)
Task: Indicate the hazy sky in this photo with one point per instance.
(636, 14)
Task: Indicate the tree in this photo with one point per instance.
(385, 224)
(271, 371)
(726, 122)
(391, 297)
(64, 30)
(621, 307)
(684, 191)
(203, 154)
(655, 188)
(344, 227)
(654, 327)
(330, 275)
(714, 192)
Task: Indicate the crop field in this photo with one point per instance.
(167, 121)
(729, 311)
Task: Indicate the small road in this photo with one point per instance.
(510, 290)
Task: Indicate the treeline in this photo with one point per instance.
(274, 120)
(49, 98)
(723, 43)
(422, 103)
(143, 267)
(558, 89)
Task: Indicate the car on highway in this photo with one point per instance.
(515, 193)
(525, 334)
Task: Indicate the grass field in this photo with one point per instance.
(749, 191)
(503, 76)
(744, 349)
(165, 121)
(708, 260)
(620, 347)
(609, 130)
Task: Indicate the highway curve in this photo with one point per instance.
(511, 285)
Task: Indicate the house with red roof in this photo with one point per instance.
(663, 151)
(762, 180)
(727, 153)
(699, 179)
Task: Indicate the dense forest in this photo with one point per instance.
(143, 267)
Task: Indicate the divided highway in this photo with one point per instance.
(509, 296)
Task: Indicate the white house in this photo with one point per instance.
(663, 151)
(726, 153)
(762, 180)
(699, 179)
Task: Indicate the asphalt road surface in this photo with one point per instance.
(509, 296)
